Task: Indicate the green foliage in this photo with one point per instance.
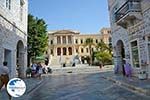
(104, 57)
(103, 47)
(103, 54)
(37, 37)
(89, 42)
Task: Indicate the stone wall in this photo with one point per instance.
(13, 30)
(140, 31)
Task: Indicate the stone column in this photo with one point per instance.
(55, 40)
(73, 50)
(61, 51)
(67, 39)
(61, 41)
(67, 53)
(21, 63)
(55, 51)
(73, 40)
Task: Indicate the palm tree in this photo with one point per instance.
(104, 53)
(103, 47)
(89, 43)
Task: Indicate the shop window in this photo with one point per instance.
(135, 54)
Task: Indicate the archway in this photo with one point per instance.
(120, 53)
(64, 51)
(58, 51)
(70, 50)
(20, 59)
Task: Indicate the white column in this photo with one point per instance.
(61, 41)
(73, 50)
(61, 51)
(55, 40)
(67, 39)
(73, 40)
(55, 51)
(67, 52)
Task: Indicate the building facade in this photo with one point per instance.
(64, 45)
(13, 35)
(130, 30)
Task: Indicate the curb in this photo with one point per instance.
(131, 87)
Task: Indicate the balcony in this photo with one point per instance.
(128, 13)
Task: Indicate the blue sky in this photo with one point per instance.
(86, 16)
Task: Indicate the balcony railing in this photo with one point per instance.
(127, 7)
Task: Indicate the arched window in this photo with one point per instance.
(58, 51)
(96, 41)
(70, 50)
(81, 41)
(51, 41)
(77, 51)
(52, 51)
(87, 50)
(81, 50)
(92, 49)
(64, 51)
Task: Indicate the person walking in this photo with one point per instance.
(39, 70)
(4, 76)
(33, 69)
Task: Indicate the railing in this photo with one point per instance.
(129, 6)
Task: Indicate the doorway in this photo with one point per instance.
(20, 59)
(120, 51)
(7, 58)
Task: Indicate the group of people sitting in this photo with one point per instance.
(36, 70)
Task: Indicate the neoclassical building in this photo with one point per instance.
(130, 30)
(13, 35)
(64, 45)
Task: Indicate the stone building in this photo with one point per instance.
(13, 35)
(64, 45)
(130, 30)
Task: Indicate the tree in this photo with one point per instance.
(104, 57)
(37, 37)
(89, 43)
(104, 53)
(101, 46)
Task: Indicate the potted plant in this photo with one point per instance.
(142, 75)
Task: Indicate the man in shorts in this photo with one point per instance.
(4, 76)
